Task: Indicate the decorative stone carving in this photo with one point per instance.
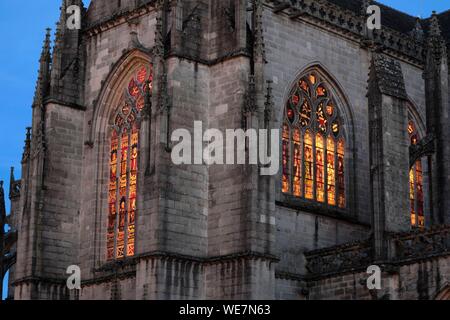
(340, 258)
(424, 147)
(422, 244)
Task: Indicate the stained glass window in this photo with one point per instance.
(313, 144)
(416, 193)
(124, 166)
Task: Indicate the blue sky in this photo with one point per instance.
(22, 30)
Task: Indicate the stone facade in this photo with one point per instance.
(226, 232)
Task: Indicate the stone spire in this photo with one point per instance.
(435, 28)
(364, 5)
(67, 66)
(435, 43)
(27, 147)
(437, 106)
(259, 51)
(43, 81)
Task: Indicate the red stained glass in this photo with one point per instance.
(305, 114)
(321, 91)
(297, 177)
(336, 128)
(124, 166)
(322, 121)
(313, 147)
(305, 87)
(330, 109)
(286, 156)
(140, 103)
(416, 192)
(119, 121)
(133, 88)
(331, 172)
(309, 170)
(341, 174)
(112, 216)
(141, 75)
(290, 114)
(320, 168)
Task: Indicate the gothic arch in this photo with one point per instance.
(419, 201)
(415, 116)
(109, 107)
(444, 293)
(111, 92)
(295, 185)
(337, 89)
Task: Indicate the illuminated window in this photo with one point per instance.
(313, 144)
(416, 193)
(124, 166)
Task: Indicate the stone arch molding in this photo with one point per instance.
(415, 115)
(346, 111)
(113, 88)
(444, 293)
(344, 105)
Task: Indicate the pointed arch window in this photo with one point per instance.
(124, 166)
(313, 144)
(416, 185)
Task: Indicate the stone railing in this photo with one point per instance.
(421, 244)
(348, 21)
(340, 258)
(403, 247)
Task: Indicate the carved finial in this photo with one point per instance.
(159, 38)
(364, 5)
(43, 81)
(435, 29)
(27, 147)
(11, 176)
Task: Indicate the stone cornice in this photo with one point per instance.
(347, 23)
(248, 255)
(118, 19)
(126, 269)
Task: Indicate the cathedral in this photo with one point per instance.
(364, 178)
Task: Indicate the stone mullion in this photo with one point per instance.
(138, 169)
(302, 164)
(291, 160)
(127, 195)
(336, 173)
(325, 178)
(314, 165)
(416, 194)
(118, 174)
